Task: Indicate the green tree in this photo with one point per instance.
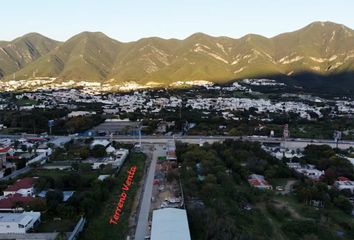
(343, 203)
(53, 199)
(20, 163)
(98, 151)
(84, 153)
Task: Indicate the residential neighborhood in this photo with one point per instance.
(177, 120)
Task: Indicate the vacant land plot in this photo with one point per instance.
(99, 226)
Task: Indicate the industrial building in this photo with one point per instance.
(117, 127)
(171, 224)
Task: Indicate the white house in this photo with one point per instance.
(18, 222)
(24, 186)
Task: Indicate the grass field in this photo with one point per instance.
(99, 227)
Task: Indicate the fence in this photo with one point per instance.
(78, 228)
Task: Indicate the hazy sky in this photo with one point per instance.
(128, 20)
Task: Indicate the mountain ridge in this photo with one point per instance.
(322, 48)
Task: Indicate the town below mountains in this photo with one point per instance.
(249, 138)
(316, 58)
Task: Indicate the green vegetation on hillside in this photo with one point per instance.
(320, 52)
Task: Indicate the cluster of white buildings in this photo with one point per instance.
(281, 153)
(150, 103)
(262, 82)
(47, 83)
(262, 106)
(307, 170)
(115, 158)
(146, 101)
(33, 150)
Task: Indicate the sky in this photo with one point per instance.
(130, 20)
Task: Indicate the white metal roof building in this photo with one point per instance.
(171, 224)
(18, 222)
(102, 142)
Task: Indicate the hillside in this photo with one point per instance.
(321, 49)
(16, 54)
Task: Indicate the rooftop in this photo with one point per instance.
(5, 150)
(23, 183)
(171, 224)
(10, 201)
(21, 218)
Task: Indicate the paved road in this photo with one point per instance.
(143, 219)
(16, 173)
(292, 143)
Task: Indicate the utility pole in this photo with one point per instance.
(285, 136)
(180, 113)
(337, 135)
(50, 125)
(140, 136)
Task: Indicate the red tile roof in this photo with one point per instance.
(23, 183)
(343, 179)
(5, 150)
(258, 182)
(11, 200)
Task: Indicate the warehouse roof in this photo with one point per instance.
(171, 224)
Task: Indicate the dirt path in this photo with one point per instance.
(288, 186)
(277, 231)
(292, 211)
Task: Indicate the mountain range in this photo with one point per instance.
(321, 49)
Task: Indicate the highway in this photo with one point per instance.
(291, 143)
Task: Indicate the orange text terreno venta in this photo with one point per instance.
(125, 189)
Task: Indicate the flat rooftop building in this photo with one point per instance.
(170, 223)
(117, 127)
(18, 222)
